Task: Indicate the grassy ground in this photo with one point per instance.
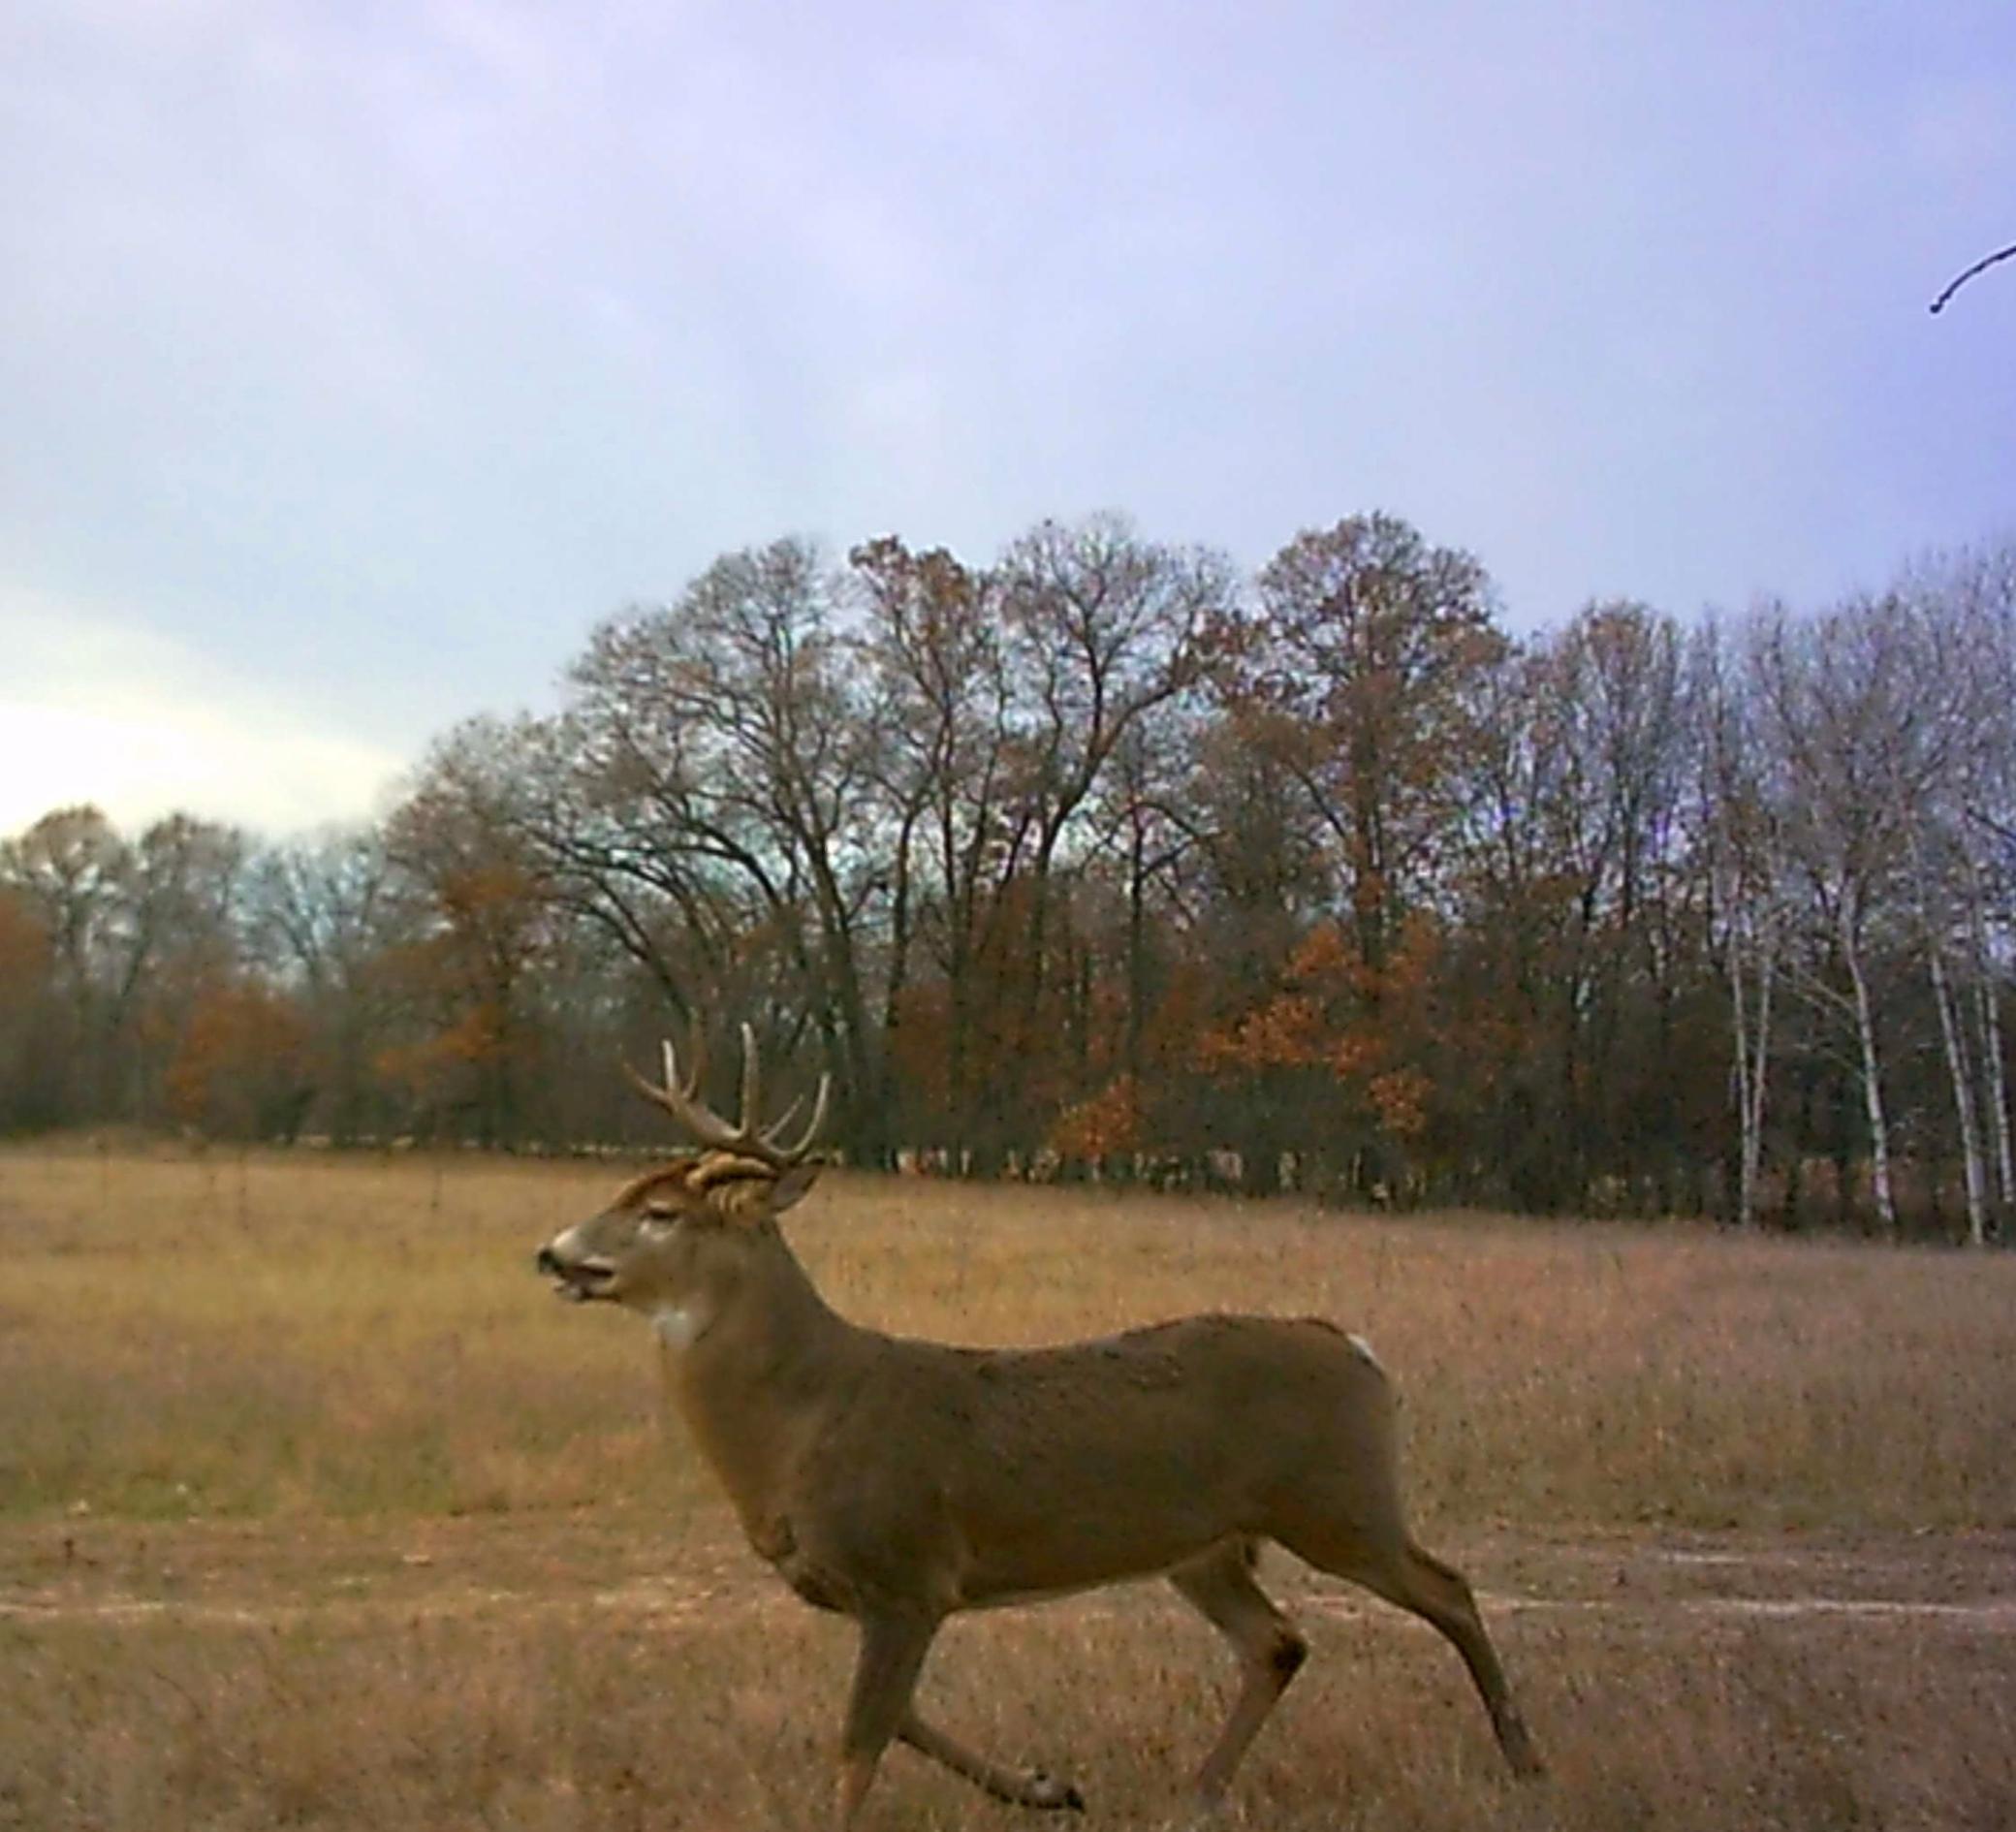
(316, 1509)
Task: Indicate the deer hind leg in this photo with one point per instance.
(1221, 1588)
(1393, 1567)
(1018, 1788)
(1438, 1593)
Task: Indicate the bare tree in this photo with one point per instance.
(1364, 652)
(1966, 608)
(321, 915)
(1103, 629)
(1983, 588)
(1746, 866)
(1613, 680)
(733, 728)
(1864, 725)
(134, 928)
(73, 871)
(962, 826)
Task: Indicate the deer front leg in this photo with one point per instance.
(1032, 1788)
(892, 1655)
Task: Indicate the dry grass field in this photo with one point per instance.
(316, 1511)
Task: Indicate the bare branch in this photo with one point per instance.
(1980, 266)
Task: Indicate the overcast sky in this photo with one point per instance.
(356, 359)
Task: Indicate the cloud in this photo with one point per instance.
(384, 348)
(94, 708)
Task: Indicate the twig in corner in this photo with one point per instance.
(1986, 262)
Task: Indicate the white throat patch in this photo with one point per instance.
(677, 1327)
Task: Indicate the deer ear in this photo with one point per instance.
(755, 1199)
(791, 1185)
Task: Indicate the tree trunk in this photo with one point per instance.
(1752, 1059)
(1988, 1018)
(1960, 1069)
(1871, 1070)
(1957, 1068)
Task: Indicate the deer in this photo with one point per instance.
(899, 1482)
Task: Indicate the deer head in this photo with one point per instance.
(675, 1242)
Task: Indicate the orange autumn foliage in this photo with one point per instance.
(1367, 1026)
(1107, 1123)
(243, 1046)
(24, 946)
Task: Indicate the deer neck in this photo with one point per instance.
(751, 1370)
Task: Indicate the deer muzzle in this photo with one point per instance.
(575, 1278)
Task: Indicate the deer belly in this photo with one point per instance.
(1020, 1552)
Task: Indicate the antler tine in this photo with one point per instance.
(689, 1087)
(795, 1154)
(685, 1106)
(696, 1049)
(682, 1101)
(752, 1085)
(774, 1130)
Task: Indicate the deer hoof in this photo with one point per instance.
(1520, 1752)
(1054, 1795)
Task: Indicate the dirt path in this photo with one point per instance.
(276, 1574)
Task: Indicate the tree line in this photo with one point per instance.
(1105, 857)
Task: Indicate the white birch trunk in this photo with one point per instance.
(1745, 1191)
(1871, 1074)
(1988, 1019)
(1959, 1069)
(1760, 1059)
(1753, 1057)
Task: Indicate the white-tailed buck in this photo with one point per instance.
(899, 1481)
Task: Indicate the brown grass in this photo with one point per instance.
(353, 1690)
(536, 1615)
(354, 1336)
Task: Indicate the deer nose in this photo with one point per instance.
(546, 1260)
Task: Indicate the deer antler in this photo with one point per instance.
(744, 1136)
